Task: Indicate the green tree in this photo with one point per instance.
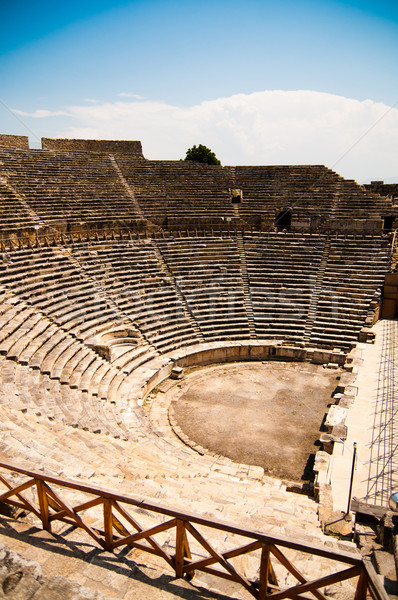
(202, 154)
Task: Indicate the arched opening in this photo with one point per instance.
(283, 219)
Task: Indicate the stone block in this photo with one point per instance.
(106, 146)
(336, 416)
(14, 141)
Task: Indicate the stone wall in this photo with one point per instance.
(384, 189)
(350, 225)
(106, 146)
(390, 297)
(148, 376)
(15, 141)
(203, 223)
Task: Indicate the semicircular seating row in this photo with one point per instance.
(77, 321)
(90, 314)
(38, 419)
(60, 189)
(145, 297)
(49, 427)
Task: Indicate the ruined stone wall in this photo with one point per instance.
(15, 141)
(105, 146)
(384, 189)
(348, 226)
(390, 297)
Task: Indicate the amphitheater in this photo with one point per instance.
(125, 283)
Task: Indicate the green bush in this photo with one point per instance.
(202, 154)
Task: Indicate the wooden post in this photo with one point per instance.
(264, 569)
(43, 504)
(182, 548)
(362, 586)
(108, 525)
(267, 573)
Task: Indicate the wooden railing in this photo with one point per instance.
(118, 527)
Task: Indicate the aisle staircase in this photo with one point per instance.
(246, 285)
(182, 298)
(312, 311)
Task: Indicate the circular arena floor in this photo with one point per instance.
(266, 414)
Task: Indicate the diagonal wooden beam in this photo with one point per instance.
(198, 565)
(119, 527)
(52, 504)
(311, 586)
(145, 533)
(76, 518)
(223, 562)
(297, 574)
(15, 492)
(155, 545)
(58, 516)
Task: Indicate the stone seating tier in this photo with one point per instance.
(60, 188)
(267, 286)
(41, 189)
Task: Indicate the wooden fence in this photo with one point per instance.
(120, 528)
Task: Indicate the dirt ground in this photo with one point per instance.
(266, 414)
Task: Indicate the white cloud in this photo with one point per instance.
(41, 113)
(91, 100)
(357, 139)
(127, 95)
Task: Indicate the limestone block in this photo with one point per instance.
(336, 416)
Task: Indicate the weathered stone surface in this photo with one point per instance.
(22, 579)
(59, 588)
(112, 146)
(9, 511)
(388, 529)
(14, 141)
(338, 525)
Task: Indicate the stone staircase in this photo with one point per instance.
(101, 293)
(316, 293)
(246, 285)
(186, 307)
(126, 186)
(19, 199)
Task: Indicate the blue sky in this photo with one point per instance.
(259, 82)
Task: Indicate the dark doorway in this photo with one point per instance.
(283, 219)
(236, 195)
(388, 223)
